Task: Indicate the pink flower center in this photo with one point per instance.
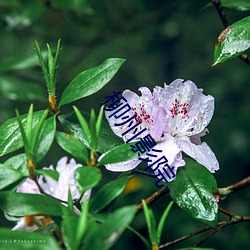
(142, 115)
(179, 109)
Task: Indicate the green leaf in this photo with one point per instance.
(107, 139)
(74, 228)
(18, 162)
(37, 132)
(162, 221)
(108, 193)
(19, 63)
(118, 154)
(151, 223)
(53, 174)
(20, 204)
(233, 41)
(8, 176)
(99, 123)
(46, 138)
(92, 127)
(143, 239)
(19, 90)
(193, 191)
(73, 146)
(87, 177)
(84, 125)
(16, 240)
(90, 81)
(241, 5)
(105, 235)
(69, 231)
(82, 223)
(10, 136)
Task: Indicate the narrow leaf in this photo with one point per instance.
(162, 221)
(46, 137)
(84, 125)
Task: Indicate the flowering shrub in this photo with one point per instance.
(74, 205)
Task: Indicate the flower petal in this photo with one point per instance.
(148, 113)
(189, 110)
(29, 187)
(59, 189)
(123, 166)
(172, 152)
(201, 153)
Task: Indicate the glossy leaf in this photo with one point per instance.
(87, 177)
(18, 162)
(84, 125)
(10, 136)
(106, 234)
(16, 240)
(8, 176)
(241, 5)
(108, 193)
(151, 223)
(118, 154)
(19, 90)
(90, 81)
(233, 41)
(73, 146)
(107, 138)
(20, 204)
(193, 191)
(46, 137)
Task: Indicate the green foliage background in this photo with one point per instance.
(161, 41)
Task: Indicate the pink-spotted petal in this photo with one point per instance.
(201, 153)
(189, 110)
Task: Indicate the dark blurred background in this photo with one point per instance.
(161, 41)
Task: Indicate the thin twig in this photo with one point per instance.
(223, 192)
(152, 198)
(224, 211)
(185, 237)
(226, 23)
(234, 220)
